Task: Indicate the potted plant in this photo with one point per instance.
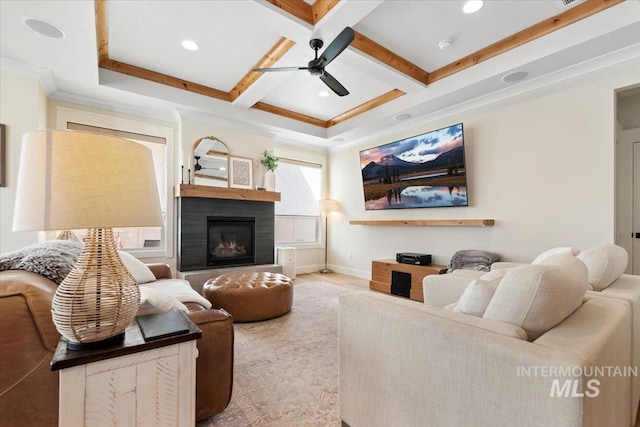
(269, 161)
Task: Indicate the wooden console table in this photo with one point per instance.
(134, 383)
(381, 272)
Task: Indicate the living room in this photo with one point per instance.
(543, 156)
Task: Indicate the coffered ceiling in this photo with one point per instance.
(128, 55)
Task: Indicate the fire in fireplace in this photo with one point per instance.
(230, 240)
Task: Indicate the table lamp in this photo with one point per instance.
(76, 180)
(326, 206)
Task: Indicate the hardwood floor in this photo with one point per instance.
(350, 282)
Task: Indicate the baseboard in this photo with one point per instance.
(351, 272)
(309, 269)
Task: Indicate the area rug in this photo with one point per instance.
(286, 369)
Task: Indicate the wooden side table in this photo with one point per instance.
(134, 383)
(382, 271)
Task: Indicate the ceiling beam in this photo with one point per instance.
(320, 8)
(102, 30)
(367, 106)
(289, 114)
(164, 79)
(275, 53)
(297, 8)
(384, 55)
(311, 14)
(576, 13)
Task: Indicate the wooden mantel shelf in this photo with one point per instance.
(190, 190)
(429, 222)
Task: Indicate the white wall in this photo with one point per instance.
(541, 165)
(23, 108)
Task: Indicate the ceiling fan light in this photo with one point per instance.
(472, 6)
(189, 45)
(323, 93)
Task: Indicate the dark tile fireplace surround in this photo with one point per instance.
(229, 219)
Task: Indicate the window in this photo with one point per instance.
(297, 214)
(137, 237)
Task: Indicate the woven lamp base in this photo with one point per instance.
(99, 298)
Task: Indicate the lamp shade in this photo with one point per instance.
(328, 205)
(71, 179)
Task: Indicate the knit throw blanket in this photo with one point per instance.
(473, 260)
(53, 259)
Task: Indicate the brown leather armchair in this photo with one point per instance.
(29, 390)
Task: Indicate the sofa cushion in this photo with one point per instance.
(476, 297)
(154, 301)
(562, 250)
(605, 264)
(138, 270)
(538, 297)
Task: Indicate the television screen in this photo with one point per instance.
(423, 171)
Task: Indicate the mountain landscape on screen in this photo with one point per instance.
(422, 171)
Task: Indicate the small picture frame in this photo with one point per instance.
(240, 172)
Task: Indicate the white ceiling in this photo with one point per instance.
(234, 35)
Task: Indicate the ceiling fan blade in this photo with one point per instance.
(338, 44)
(333, 84)
(264, 70)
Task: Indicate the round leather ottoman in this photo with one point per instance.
(250, 297)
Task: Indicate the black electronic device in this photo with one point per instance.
(413, 258)
(401, 284)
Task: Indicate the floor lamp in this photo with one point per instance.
(75, 180)
(326, 206)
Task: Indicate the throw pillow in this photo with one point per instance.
(538, 297)
(154, 301)
(605, 264)
(555, 251)
(53, 259)
(138, 270)
(476, 297)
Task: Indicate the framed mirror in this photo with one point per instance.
(210, 162)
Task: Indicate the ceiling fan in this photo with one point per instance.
(316, 65)
(198, 167)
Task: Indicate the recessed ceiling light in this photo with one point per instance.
(472, 6)
(323, 93)
(401, 117)
(43, 28)
(516, 76)
(189, 45)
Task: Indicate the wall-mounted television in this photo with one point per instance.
(423, 171)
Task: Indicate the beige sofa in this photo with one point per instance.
(440, 291)
(403, 363)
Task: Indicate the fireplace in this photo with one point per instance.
(230, 240)
(193, 230)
